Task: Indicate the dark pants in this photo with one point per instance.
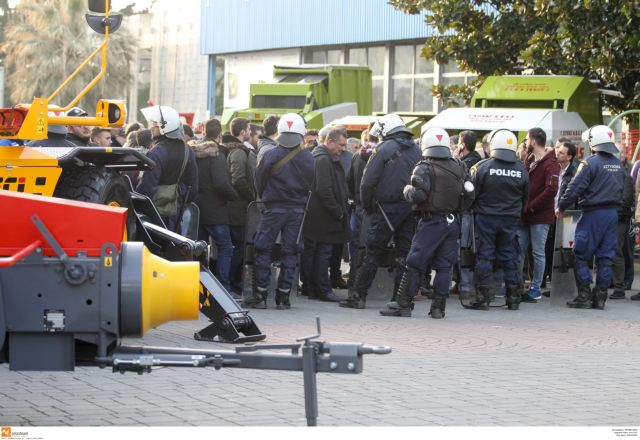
(222, 240)
(287, 224)
(434, 246)
(629, 245)
(377, 237)
(336, 260)
(355, 222)
(618, 265)
(237, 260)
(315, 266)
(596, 235)
(496, 240)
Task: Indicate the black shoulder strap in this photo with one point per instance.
(282, 162)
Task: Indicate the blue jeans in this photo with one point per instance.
(222, 239)
(537, 236)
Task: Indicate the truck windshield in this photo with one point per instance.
(300, 78)
(278, 101)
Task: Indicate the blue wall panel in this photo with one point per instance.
(230, 26)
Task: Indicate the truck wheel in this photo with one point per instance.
(97, 185)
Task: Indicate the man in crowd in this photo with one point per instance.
(311, 139)
(625, 211)
(469, 157)
(597, 187)
(80, 135)
(327, 219)
(565, 154)
(214, 193)
(242, 167)
(284, 178)
(101, 136)
(501, 185)
(387, 172)
(266, 141)
(538, 213)
(439, 192)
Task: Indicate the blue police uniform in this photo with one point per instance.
(597, 187)
(438, 197)
(284, 192)
(385, 175)
(501, 189)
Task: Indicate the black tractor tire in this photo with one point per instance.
(96, 184)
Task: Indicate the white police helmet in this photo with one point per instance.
(291, 130)
(390, 124)
(166, 118)
(502, 143)
(600, 138)
(435, 143)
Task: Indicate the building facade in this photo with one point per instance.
(244, 39)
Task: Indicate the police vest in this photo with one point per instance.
(447, 186)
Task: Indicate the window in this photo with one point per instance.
(412, 79)
(373, 58)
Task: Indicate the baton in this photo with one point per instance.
(384, 214)
(304, 216)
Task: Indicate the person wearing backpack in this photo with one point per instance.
(173, 182)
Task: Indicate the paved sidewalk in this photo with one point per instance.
(540, 366)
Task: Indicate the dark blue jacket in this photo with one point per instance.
(388, 171)
(598, 184)
(288, 186)
(502, 188)
(168, 155)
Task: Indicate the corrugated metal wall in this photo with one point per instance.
(231, 26)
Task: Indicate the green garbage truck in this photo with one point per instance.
(562, 105)
(319, 93)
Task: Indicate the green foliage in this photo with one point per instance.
(47, 40)
(597, 39)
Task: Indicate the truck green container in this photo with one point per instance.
(319, 93)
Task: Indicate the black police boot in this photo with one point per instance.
(513, 296)
(582, 300)
(482, 298)
(438, 304)
(282, 299)
(598, 297)
(355, 300)
(258, 299)
(403, 304)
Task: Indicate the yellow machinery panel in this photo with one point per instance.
(24, 169)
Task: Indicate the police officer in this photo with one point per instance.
(502, 187)
(597, 187)
(175, 164)
(284, 177)
(439, 191)
(385, 176)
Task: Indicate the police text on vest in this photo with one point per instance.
(505, 173)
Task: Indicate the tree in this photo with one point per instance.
(597, 39)
(47, 40)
